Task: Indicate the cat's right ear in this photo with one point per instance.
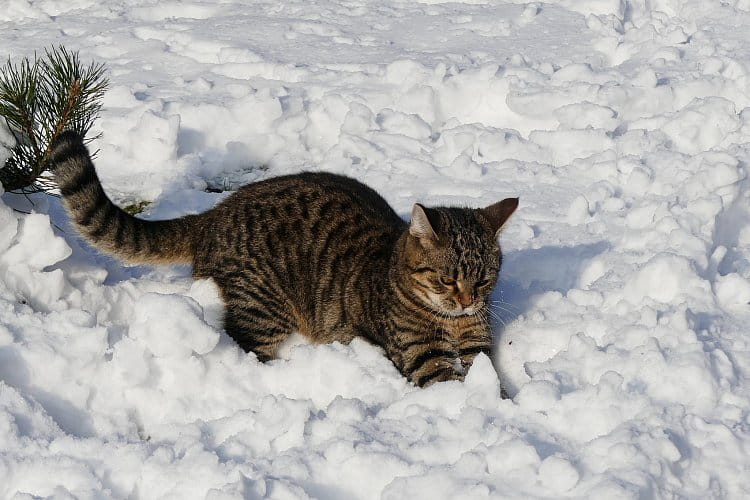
(420, 226)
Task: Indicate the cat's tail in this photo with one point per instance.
(105, 225)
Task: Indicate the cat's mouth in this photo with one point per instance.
(463, 311)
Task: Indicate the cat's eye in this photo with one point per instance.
(447, 281)
(482, 283)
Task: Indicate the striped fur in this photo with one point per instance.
(320, 254)
(105, 225)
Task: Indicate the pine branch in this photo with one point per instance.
(39, 100)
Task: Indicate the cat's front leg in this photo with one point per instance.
(425, 364)
(470, 346)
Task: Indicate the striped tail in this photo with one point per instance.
(108, 227)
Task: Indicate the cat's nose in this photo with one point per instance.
(465, 299)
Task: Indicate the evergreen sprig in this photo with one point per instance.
(39, 100)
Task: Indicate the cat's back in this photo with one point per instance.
(312, 217)
(312, 197)
(318, 190)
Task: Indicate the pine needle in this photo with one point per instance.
(39, 100)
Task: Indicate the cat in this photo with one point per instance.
(319, 254)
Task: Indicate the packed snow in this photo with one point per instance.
(621, 320)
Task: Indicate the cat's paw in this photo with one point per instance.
(444, 377)
(443, 371)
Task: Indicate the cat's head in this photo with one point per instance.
(452, 255)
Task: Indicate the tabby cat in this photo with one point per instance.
(319, 254)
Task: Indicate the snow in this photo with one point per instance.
(622, 311)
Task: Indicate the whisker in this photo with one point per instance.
(500, 308)
(435, 320)
(497, 317)
(483, 317)
(504, 303)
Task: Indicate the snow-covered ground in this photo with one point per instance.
(622, 315)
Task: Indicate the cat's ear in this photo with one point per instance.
(420, 226)
(498, 213)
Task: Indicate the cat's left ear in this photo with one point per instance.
(498, 213)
